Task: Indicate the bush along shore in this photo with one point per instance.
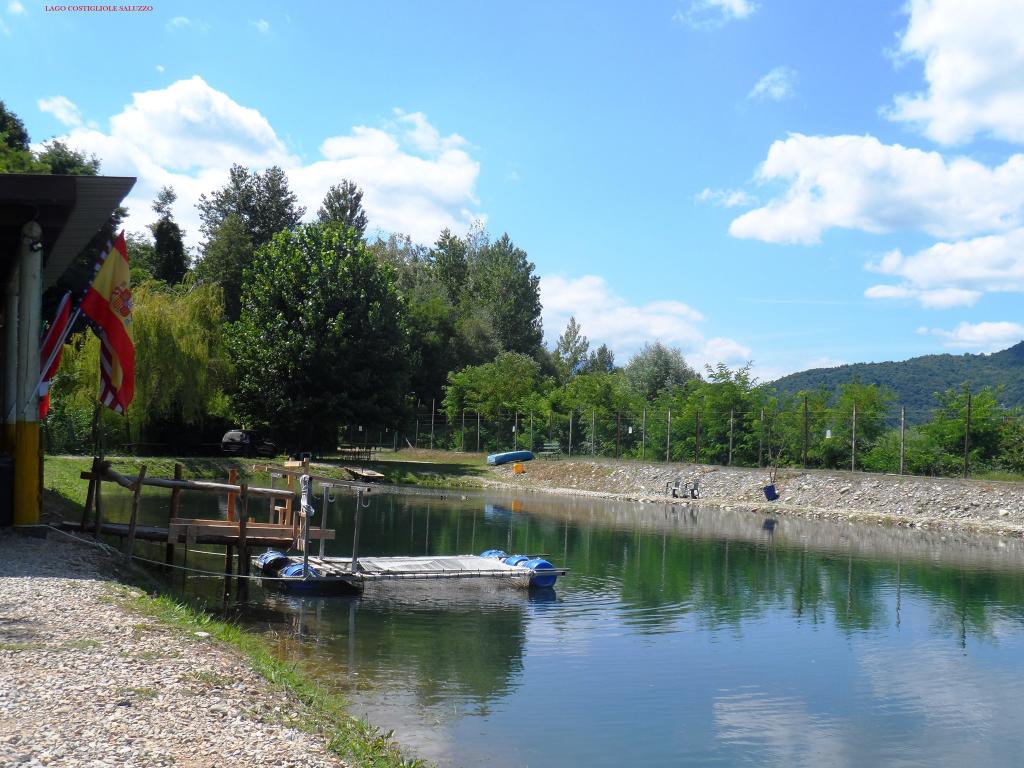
(989, 506)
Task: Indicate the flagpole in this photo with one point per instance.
(53, 356)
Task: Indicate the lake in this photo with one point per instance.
(682, 635)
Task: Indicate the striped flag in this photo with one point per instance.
(49, 354)
(108, 306)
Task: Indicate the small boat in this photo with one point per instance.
(366, 475)
(504, 458)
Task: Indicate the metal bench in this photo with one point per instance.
(681, 488)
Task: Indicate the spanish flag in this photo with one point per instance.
(108, 305)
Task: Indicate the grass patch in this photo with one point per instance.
(5, 646)
(211, 679)
(84, 644)
(324, 712)
(144, 693)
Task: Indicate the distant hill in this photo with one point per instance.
(916, 380)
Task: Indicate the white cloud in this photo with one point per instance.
(184, 22)
(955, 274)
(980, 337)
(62, 108)
(15, 8)
(188, 134)
(777, 85)
(714, 13)
(261, 25)
(607, 318)
(974, 64)
(160, 68)
(856, 182)
(726, 198)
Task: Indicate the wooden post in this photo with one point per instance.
(967, 434)
(175, 507)
(233, 480)
(99, 497)
(93, 481)
(243, 519)
(136, 492)
(903, 426)
(229, 555)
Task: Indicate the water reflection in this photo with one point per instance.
(682, 635)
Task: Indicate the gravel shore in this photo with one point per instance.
(84, 681)
(929, 503)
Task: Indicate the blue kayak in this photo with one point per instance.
(505, 458)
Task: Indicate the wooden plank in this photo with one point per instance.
(112, 476)
(136, 494)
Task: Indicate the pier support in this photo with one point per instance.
(26, 427)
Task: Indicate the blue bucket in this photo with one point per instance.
(541, 579)
(272, 561)
(495, 554)
(770, 493)
(516, 559)
(296, 569)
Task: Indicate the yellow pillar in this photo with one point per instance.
(27, 502)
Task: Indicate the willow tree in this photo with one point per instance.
(321, 339)
(181, 371)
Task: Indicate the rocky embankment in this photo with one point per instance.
(86, 682)
(916, 502)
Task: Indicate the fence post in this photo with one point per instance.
(416, 436)
(462, 442)
(643, 437)
(732, 421)
(570, 433)
(515, 433)
(967, 433)
(853, 439)
(593, 431)
(668, 438)
(696, 445)
(478, 431)
(531, 431)
(903, 424)
(760, 444)
(618, 431)
(432, 424)
(805, 431)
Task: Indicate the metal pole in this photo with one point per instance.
(355, 531)
(805, 431)
(696, 445)
(432, 424)
(732, 420)
(462, 442)
(668, 438)
(903, 424)
(760, 444)
(618, 431)
(27, 498)
(570, 434)
(643, 437)
(531, 431)
(967, 433)
(416, 437)
(853, 439)
(478, 431)
(593, 431)
(515, 432)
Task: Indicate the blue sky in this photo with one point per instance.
(793, 183)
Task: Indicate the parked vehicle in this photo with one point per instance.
(245, 442)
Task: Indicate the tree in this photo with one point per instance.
(262, 203)
(141, 256)
(657, 367)
(321, 339)
(343, 204)
(507, 384)
(502, 280)
(65, 161)
(12, 130)
(450, 265)
(15, 155)
(170, 262)
(601, 360)
(571, 350)
(225, 257)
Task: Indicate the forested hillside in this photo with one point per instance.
(916, 381)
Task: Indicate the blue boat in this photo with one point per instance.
(504, 458)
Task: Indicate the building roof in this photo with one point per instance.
(70, 210)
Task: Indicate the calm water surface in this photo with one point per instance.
(681, 636)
